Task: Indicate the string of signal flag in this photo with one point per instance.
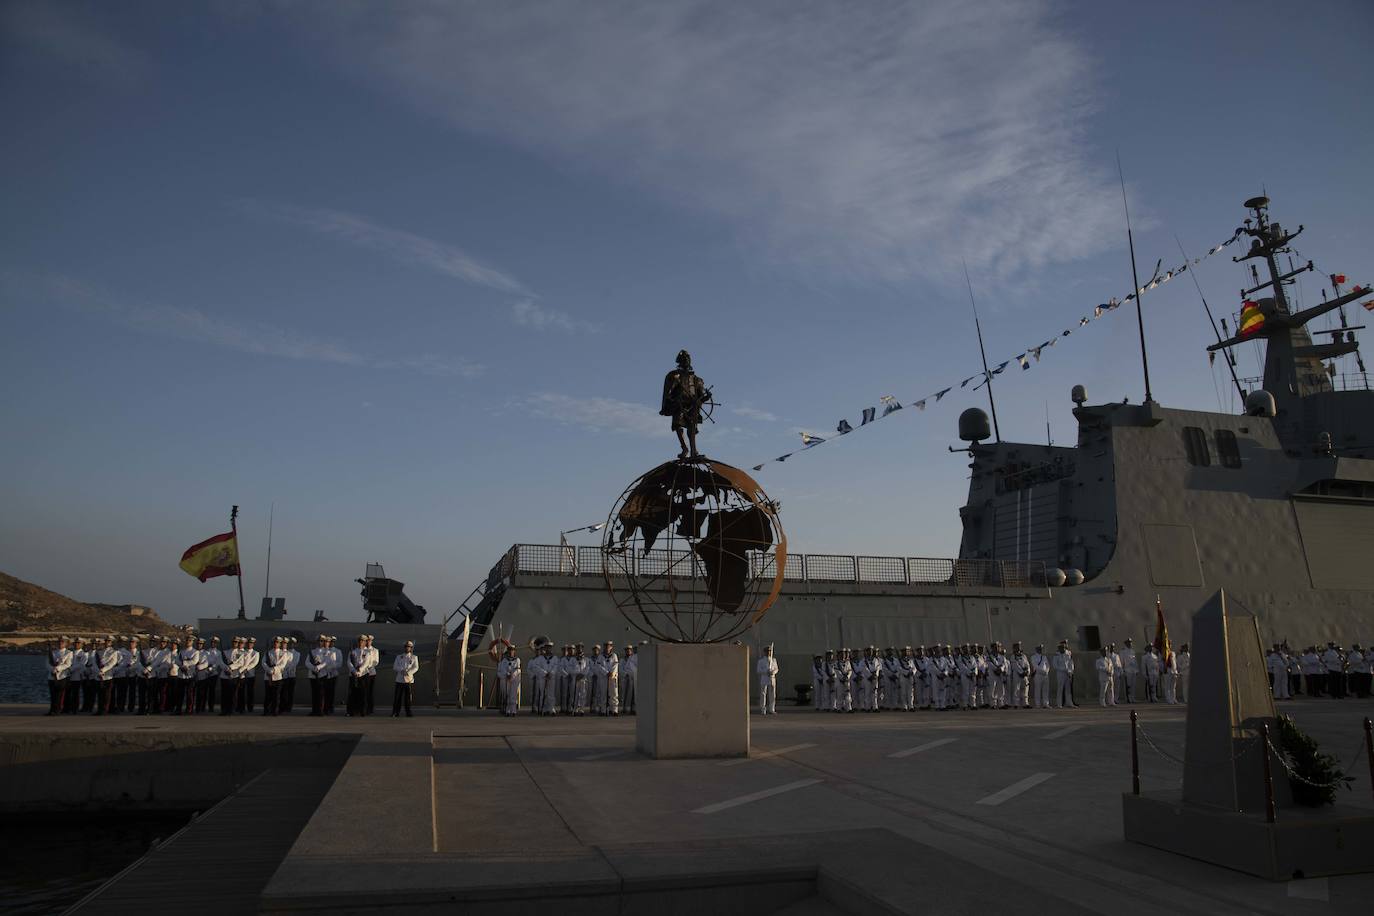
(890, 405)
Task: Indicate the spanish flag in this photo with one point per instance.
(1162, 646)
(218, 556)
(1251, 318)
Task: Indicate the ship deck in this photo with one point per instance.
(830, 813)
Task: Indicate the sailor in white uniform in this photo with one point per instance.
(405, 666)
(374, 659)
(1185, 664)
(767, 670)
(1169, 678)
(1019, 670)
(629, 679)
(358, 657)
(1127, 669)
(1040, 677)
(59, 665)
(273, 673)
(539, 681)
(844, 682)
(511, 677)
(596, 685)
(610, 666)
(1062, 662)
(288, 685)
(1106, 674)
(188, 660)
(1151, 666)
(580, 671)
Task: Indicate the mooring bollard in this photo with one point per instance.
(1135, 755)
(1268, 777)
(1369, 750)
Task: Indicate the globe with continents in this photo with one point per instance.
(693, 551)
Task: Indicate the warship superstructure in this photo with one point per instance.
(1274, 504)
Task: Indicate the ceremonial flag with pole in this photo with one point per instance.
(1162, 646)
(217, 556)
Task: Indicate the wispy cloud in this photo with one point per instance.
(530, 314)
(260, 339)
(71, 36)
(398, 244)
(881, 138)
(598, 414)
(753, 413)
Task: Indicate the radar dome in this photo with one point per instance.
(1078, 394)
(973, 425)
(1073, 577)
(1260, 404)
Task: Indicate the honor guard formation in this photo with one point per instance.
(570, 684)
(187, 675)
(972, 677)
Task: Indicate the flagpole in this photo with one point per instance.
(267, 586)
(1139, 314)
(234, 526)
(986, 374)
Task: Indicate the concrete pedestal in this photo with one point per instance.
(693, 700)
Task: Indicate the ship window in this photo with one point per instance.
(1195, 444)
(1227, 449)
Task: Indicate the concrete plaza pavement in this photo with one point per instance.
(971, 809)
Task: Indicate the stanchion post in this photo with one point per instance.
(481, 690)
(1268, 777)
(1369, 750)
(1135, 756)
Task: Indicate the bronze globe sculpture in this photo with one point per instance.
(693, 552)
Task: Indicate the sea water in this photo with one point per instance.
(23, 679)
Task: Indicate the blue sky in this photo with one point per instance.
(413, 272)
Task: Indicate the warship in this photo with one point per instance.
(1274, 504)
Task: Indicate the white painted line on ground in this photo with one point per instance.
(756, 796)
(782, 750)
(924, 747)
(1310, 889)
(602, 756)
(1015, 789)
(1059, 733)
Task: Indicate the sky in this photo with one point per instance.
(407, 277)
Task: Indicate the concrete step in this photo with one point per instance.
(243, 839)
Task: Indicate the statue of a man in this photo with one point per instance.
(684, 393)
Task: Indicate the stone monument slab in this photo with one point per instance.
(693, 700)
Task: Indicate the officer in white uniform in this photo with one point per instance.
(910, 679)
(1334, 662)
(59, 665)
(511, 677)
(767, 670)
(374, 659)
(405, 666)
(1062, 662)
(891, 697)
(818, 683)
(565, 681)
(1359, 661)
(204, 676)
(317, 665)
(248, 674)
(188, 660)
(1106, 674)
(629, 677)
(229, 678)
(967, 670)
(109, 665)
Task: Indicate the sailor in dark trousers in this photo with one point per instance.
(331, 677)
(358, 657)
(316, 667)
(288, 687)
(229, 678)
(406, 665)
(249, 667)
(59, 669)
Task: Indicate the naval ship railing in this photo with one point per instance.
(572, 561)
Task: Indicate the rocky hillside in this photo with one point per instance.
(28, 608)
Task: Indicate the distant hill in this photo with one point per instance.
(26, 608)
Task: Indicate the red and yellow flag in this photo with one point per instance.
(218, 556)
(1162, 646)
(1251, 318)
